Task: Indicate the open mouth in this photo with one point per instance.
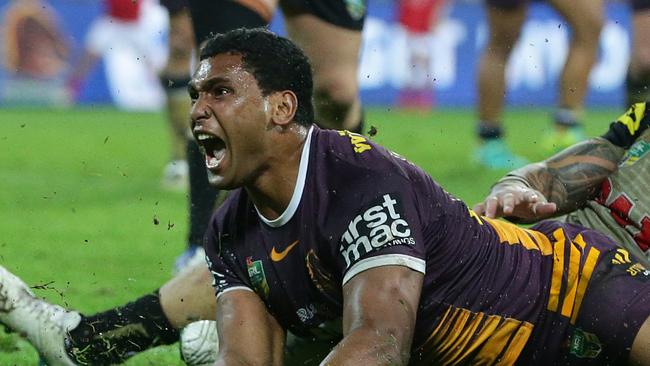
(214, 149)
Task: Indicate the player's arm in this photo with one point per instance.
(379, 311)
(554, 186)
(248, 334)
(567, 180)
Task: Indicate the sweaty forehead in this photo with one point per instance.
(221, 65)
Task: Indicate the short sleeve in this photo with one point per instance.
(628, 127)
(385, 230)
(225, 274)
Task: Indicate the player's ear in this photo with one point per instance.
(285, 104)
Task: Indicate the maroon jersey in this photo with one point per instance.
(356, 206)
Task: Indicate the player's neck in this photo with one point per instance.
(273, 189)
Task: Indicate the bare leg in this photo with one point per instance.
(586, 20)
(639, 69)
(181, 45)
(334, 54)
(505, 26)
(189, 296)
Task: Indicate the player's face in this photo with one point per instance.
(229, 120)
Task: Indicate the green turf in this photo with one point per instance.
(79, 191)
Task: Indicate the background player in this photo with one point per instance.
(505, 19)
(174, 79)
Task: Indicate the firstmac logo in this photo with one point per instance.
(379, 226)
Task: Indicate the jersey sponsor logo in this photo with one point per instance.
(257, 276)
(279, 256)
(636, 152)
(379, 226)
(632, 118)
(622, 256)
(359, 143)
(584, 344)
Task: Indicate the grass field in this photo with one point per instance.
(80, 189)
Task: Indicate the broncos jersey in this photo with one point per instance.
(492, 293)
(622, 208)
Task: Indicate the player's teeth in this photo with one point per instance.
(218, 153)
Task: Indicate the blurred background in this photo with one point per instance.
(42, 42)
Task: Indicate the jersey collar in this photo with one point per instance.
(297, 191)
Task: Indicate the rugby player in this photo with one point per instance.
(601, 183)
(329, 32)
(329, 225)
(505, 19)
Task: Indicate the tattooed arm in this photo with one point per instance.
(567, 180)
(554, 186)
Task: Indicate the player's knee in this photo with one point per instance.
(339, 86)
(334, 99)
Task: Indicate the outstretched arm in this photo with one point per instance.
(379, 310)
(555, 186)
(248, 334)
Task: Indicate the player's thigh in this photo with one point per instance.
(505, 24)
(330, 35)
(584, 16)
(181, 42)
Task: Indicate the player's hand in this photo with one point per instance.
(516, 201)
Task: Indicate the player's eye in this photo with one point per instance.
(194, 95)
(221, 91)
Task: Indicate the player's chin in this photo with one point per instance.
(219, 181)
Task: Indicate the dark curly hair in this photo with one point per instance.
(276, 63)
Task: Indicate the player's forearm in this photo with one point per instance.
(571, 177)
(371, 346)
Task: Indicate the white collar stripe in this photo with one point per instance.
(297, 192)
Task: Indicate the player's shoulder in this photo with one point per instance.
(627, 128)
(351, 154)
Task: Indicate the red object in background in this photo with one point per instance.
(419, 16)
(127, 10)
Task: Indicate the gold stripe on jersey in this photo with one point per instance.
(514, 235)
(585, 276)
(463, 336)
(570, 276)
(572, 280)
(558, 268)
